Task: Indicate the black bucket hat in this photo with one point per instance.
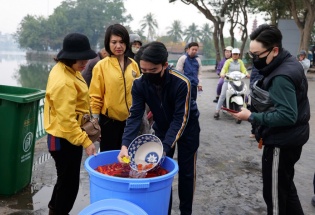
(76, 47)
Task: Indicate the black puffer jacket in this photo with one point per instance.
(298, 133)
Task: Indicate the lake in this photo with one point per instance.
(16, 70)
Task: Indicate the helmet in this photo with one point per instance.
(135, 38)
(303, 52)
(228, 48)
(236, 51)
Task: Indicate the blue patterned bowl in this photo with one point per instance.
(145, 149)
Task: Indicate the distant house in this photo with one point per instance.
(7, 43)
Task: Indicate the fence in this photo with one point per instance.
(40, 131)
(205, 62)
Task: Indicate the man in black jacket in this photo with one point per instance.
(176, 116)
(282, 119)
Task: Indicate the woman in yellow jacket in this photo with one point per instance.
(110, 88)
(66, 101)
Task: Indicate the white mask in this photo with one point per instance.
(134, 50)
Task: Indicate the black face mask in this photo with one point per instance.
(260, 63)
(154, 78)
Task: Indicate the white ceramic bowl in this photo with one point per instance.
(145, 149)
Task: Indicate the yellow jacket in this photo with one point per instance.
(66, 101)
(110, 88)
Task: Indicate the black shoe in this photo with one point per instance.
(51, 210)
(216, 115)
(216, 99)
(313, 201)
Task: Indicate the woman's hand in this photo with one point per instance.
(90, 150)
(222, 76)
(123, 153)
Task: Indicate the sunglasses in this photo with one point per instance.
(256, 56)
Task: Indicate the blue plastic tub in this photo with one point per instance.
(150, 194)
(113, 207)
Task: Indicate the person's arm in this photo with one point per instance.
(283, 95)
(97, 89)
(180, 64)
(199, 73)
(225, 68)
(220, 65)
(180, 116)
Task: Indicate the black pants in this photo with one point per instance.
(253, 110)
(279, 189)
(187, 156)
(68, 162)
(112, 131)
(194, 93)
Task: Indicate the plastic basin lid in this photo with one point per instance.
(113, 207)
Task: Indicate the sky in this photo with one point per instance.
(13, 11)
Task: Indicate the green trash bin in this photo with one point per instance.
(18, 122)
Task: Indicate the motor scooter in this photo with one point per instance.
(236, 92)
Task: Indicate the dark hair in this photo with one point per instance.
(67, 62)
(118, 30)
(154, 52)
(192, 44)
(269, 35)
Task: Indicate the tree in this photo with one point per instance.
(206, 32)
(238, 20)
(302, 11)
(274, 9)
(175, 31)
(215, 11)
(29, 34)
(192, 33)
(90, 17)
(304, 17)
(149, 23)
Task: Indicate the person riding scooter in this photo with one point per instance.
(227, 55)
(230, 65)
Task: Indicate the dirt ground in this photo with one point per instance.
(228, 169)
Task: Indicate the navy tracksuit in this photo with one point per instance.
(176, 122)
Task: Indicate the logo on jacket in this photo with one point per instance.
(134, 74)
